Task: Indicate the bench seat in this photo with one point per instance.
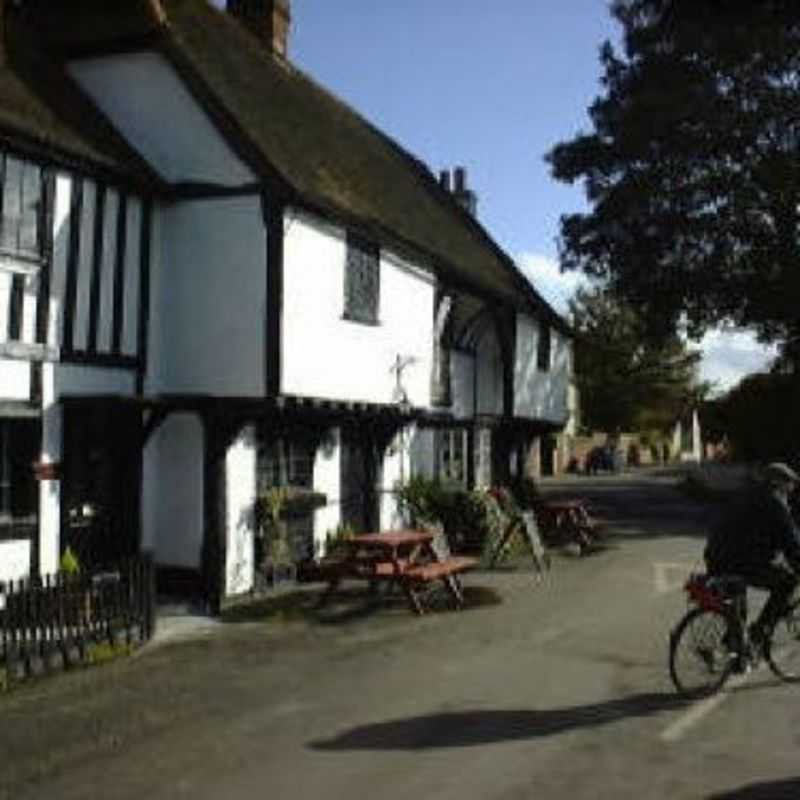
(440, 569)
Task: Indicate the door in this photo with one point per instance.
(101, 484)
(359, 478)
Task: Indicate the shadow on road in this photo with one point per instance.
(350, 604)
(469, 728)
(768, 790)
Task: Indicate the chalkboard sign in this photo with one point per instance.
(529, 530)
(538, 551)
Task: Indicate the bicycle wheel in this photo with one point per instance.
(782, 649)
(699, 655)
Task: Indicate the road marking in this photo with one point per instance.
(702, 709)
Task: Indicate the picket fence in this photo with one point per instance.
(56, 620)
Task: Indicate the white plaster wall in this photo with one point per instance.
(15, 379)
(157, 323)
(62, 225)
(15, 560)
(541, 394)
(58, 270)
(327, 356)
(30, 284)
(489, 380)
(327, 479)
(30, 302)
(105, 318)
(211, 303)
(147, 101)
(396, 472)
(80, 331)
(80, 379)
(129, 343)
(462, 384)
(240, 471)
(172, 492)
(6, 277)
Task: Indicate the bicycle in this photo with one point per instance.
(711, 642)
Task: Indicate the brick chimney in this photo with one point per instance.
(465, 197)
(269, 20)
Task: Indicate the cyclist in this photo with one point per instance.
(749, 537)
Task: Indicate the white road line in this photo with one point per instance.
(701, 709)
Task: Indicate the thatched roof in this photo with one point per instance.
(43, 112)
(297, 134)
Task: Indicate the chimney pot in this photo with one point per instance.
(444, 179)
(269, 20)
(460, 179)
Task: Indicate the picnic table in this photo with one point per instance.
(406, 559)
(563, 521)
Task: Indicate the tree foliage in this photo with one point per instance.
(692, 169)
(758, 418)
(625, 381)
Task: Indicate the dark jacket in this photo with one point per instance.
(750, 534)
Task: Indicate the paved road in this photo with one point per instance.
(547, 690)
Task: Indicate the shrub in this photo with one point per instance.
(421, 500)
(472, 520)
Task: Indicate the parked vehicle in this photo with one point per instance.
(600, 459)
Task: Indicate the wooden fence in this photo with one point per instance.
(56, 620)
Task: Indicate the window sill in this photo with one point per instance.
(367, 322)
(20, 263)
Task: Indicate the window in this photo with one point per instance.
(361, 280)
(20, 208)
(19, 444)
(282, 462)
(452, 454)
(543, 347)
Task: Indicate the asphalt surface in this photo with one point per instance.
(548, 689)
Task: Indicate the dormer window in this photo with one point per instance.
(361, 280)
(20, 208)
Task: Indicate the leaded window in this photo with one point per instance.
(19, 441)
(289, 462)
(283, 462)
(361, 280)
(452, 454)
(543, 347)
(20, 208)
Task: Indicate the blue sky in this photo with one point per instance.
(490, 86)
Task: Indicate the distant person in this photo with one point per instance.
(749, 537)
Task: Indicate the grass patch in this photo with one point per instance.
(291, 606)
(104, 652)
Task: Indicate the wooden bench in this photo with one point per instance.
(447, 570)
(377, 558)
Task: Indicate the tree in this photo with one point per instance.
(759, 418)
(692, 170)
(625, 381)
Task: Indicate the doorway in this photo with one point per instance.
(101, 485)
